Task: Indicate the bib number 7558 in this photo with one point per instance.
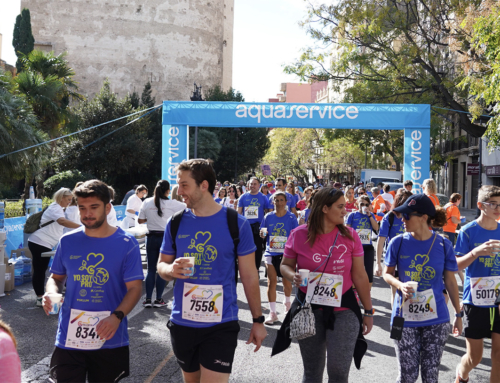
(203, 306)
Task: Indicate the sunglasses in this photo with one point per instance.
(364, 204)
(407, 216)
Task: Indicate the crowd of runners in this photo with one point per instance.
(317, 240)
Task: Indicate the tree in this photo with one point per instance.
(208, 144)
(118, 159)
(414, 48)
(23, 40)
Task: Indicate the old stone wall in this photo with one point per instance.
(172, 43)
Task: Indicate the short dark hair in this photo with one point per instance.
(283, 181)
(408, 183)
(201, 170)
(93, 188)
(455, 197)
(140, 188)
(254, 178)
(386, 188)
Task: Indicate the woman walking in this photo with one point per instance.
(425, 257)
(155, 212)
(334, 253)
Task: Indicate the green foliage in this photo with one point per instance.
(66, 179)
(23, 40)
(15, 208)
(208, 144)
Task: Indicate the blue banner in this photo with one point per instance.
(15, 235)
(417, 157)
(175, 149)
(120, 212)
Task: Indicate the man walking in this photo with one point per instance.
(290, 200)
(101, 266)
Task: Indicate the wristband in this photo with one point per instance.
(460, 314)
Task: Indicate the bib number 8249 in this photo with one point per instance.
(86, 333)
(323, 290)
(416, 308)
(202, 305)
(487, 293)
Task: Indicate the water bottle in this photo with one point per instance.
(2, 214)
(32, 193)
(26, 268)
(18, 270)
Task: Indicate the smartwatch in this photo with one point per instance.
(119, 314)
(260, 319)
(460, 314)
(370, 312)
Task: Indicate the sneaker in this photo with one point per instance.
(458, 379)
(159, 303)
(147, 303)
(273, 317)
(287, 306)
(38, 302)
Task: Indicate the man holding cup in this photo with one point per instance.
(204, 322)
(101, 266)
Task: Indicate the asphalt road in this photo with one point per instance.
(152, 359)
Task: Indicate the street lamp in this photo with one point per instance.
(237, 130)
(196, 97)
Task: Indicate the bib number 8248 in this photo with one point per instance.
(416, 308)
(86, 333)
(487, 293)
(202, 306)
(323, 290)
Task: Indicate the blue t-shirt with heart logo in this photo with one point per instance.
(278, 227)
(249, 200)
(410, 255)
(97, 270)
(208, 240)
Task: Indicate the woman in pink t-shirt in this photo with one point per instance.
(309, 247)
(10, 364)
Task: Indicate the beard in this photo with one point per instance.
(94, 223)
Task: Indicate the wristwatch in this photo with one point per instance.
(260, 319)
(460, 314)
(370, 312)
(119, 314)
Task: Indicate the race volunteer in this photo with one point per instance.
(155, 212)
(253, 206)
(477, 248)
(101, 267)
(290, 201)
(134, 204)
(204, 321)
(279, 224)
(453, 216)
(425, 257)
(378, 204)
(363, 221)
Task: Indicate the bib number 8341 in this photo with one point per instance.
(323, 290)
(416, 308)
(487, 293)
(83, 332)
(202, 306)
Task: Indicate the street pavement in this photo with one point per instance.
(152, 360)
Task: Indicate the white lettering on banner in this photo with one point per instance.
(299, 111)
(416, 154)
(170, 141)
(173, 131)
(173, 150)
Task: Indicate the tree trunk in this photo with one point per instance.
(39, 186)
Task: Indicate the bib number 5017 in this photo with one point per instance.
(203, 306)
(487, 293)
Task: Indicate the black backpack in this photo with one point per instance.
(232, 223)
(33, 222)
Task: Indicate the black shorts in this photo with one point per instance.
(104, 365)
(478, 325)
(212, 347)
(369, 259)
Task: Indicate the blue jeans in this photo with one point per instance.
(153, 244)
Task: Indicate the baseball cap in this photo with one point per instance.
(337, 185)
(269, 184)
(417, 203)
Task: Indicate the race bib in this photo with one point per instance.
(202, 303)
(421, 308)
(277, 244)
(251, 212)
(364, 235)
(82, 333)
(325, 290)
(485, 290)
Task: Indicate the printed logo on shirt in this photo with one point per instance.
(278, 230)
(422, 271)
(74, 256)
(318, 257)
(255, 202)
(93, 278)
(183, 236)
(200, 248)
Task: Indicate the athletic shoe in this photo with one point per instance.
(287, 306)
(147, 303)
(159, 303)
(458, 379)
(38, 302)
(273, 317)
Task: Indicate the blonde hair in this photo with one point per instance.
(430, 186)
(62, 192)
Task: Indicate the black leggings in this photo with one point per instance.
(40, 265)
(369, 259)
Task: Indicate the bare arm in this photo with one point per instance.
(170, 268)
(455, 220)
(380, 251)
(240, 211)
(55, 284)
(287, 269)
(452, 288)
(294, 211)
(488, 248)
(360, 280)
(67, 223)
(140, 220)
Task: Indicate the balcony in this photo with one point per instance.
(458, 143)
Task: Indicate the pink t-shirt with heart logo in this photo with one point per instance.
(309, 258)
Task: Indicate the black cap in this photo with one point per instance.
(417, 203)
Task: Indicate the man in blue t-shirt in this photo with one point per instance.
(253, 206)
(204, 321)
(290, 201)
(101, 266)
(477, 250)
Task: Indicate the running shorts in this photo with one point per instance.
(104, 365)
(211, 347)
(478, 322)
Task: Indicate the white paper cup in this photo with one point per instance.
(190, 269)
(365, 210)
(304, 275)
(55, 299)
(264, 231)
(414, 286)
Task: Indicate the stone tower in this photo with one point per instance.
(172, 43)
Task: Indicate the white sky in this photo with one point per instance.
(266, 36)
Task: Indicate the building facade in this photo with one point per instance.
(130, 42)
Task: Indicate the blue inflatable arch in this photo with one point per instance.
(413, 119)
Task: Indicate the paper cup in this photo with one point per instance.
(304, 275)
(55, 299)
(264, 231)
(365, 210)
(190, 269)
(462, 219)
(414, 286)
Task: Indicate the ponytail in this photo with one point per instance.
(161, 188)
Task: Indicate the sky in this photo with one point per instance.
(266, 36)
